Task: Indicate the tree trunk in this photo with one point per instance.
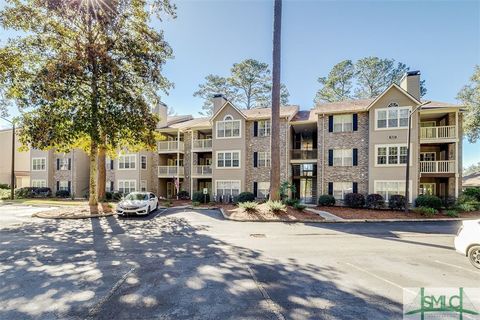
(275, 139)
(93, 200)
(102, 171)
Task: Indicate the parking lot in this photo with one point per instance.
(184, 264)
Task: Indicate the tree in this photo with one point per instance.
(470, 97)
(338, 85)
(276, 84)
(89, 72)
(214, 85)
(474, 168)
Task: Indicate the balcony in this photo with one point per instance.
(170, 171)
(299, 154)
(170, 146)
(202, 145)
(444, 166)
(202, 171)
(432, 134)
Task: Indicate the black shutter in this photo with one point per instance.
(58, 164)
(69, 186)
(69, 164)
(355, 156)
(58, 185)
(255, 159)
(111, 164)
(111, 186)
(355, 122)
(330, 188)
(255, 128)
(330, 157)
(330, 123)
(255, 189)
(355, 187)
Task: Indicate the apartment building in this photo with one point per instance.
(22, 160)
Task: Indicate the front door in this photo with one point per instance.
(306, 190)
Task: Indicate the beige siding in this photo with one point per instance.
(22, 160)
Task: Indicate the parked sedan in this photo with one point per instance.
(467, 241)
(137, 203)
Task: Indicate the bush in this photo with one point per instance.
(449, 202)
(354, 200)
(245, 197)
(4, 194)
(397, 202)
(428, 201)
(276, 206)
(198, 196)
(108, 195)
(249, 206)
(195, 203)
(183, 195)
(473, 192)
(290, 202)
(466, 207)
(452, 213)
(32, 192)
(117, 196)
(426, 211)
(4, 186)
(62, 194)
(468, 203)
(326, 200)
(299, 206)
(375, 201)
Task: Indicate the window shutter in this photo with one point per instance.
(69, 164)
(355, 156)
(255, 189)
(330, 188)
(355, 187)
(69, 186)
(355, 122)
(330, 157)
(255, 159)
(58, 185)
(111, 186)
(255, 128)
(58, 164)
(111, 165)
(330, 123)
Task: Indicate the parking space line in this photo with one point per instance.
(455, 266)
(378, 277)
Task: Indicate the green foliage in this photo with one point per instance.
(62, 194)
(326, 200)
(299, 206)
(4, 194)
(195, 203)
(374, 201)
(397, 202)
(245, 197)
(32, 192)
(429, 201)
(426, 211)
(466, 207)
(338, 85)
(198, 196)
(4, 186)
(249, 206)
(285, 187)
(276, 206)
(215, 85)
(472, 192)
(354, 200)
(183, 195)
(452, 213)
(290, 202)
(470, 97)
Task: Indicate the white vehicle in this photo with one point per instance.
(467, 241)
(137, 203)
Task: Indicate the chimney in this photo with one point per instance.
(410, 82)
(162, 111)
(218, 102)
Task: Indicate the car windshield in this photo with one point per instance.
(137, 196)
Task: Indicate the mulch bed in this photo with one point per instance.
(263, 214)
(350, 213)
(76, 212)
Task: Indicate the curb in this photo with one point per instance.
(38, 215)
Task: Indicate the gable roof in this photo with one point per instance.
(265, 113)
(224, 105)
(305, 116)
(394, 85)
(343, 106)
(471, 180)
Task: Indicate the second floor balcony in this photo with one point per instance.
(432, 134)
(442, 166)
(170, 146)
(202, 171)
(170, 171)
(301, 154)
(202, 145)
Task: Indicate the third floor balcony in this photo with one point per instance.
(202, 145)
(442, 166)
(170, 146)
(440, 134)
(170, 171)
(202, 171)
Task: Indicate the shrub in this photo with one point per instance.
(291, 202)
(426, 211)
(245, 197)
(326, 200)
(195, 203)
(276, 206)
(465, 198)
(473, 192)
(428, 201)
(375, 201)
(299, 206)
(183, 195)
(249, 206)
(468, 202)
(62, 194)
(397, 202)
(354, 200)
(32, 192)
(452, 213)
(108, 195)
(449, 202)
(198, 196)
(4, 186)
(117, 196)
(466, 207)
(4, 194)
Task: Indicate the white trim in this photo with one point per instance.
(228, 151)
(224, 105)
(39, 158)
(343, 157)
(375, 190)
(344, 183)
(394, 85)
(229, 121)
(268, 159)
(144, 182)
(43, 183)
(375, 120)
(239, 185)
(398, 145)
(146, 162)
(126, 155)
(343, 123)
(129, 181)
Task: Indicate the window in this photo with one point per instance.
(143, 185)
(343, 123)
(388, 188)
(391, 154)
(343, 157)
(427, 156)
(127, 162)
(143, 162)
(340, 189)
(227, 187)
(264, 159)
(263, 189)
(230, 159)
(63, 185)
(228, 128)
(264, 128)
(109, 186)
(39, 164)
(39, 183)
(427, 189)
(63, 164)
(392, 117)
(127, 186)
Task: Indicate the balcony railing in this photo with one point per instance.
(170, 146)
(438, 133)
(299, 154)
(445, 166)
(170, 171)
(202, 171)
(202, 144)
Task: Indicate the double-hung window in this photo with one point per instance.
(343, 157)
(127, 162)
(263, 189)
(264, 159)
(228, 159)
(264, 128)
(39, 164)
(391, 155)
(343, 123)
(39, 183)
(63, 163)
(392, 117)
(227, 187)
(340, 189)
(228, 128)
(63, 185)
(127, 186)
(143, 162)
(388, 188)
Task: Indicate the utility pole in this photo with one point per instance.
(12, 170)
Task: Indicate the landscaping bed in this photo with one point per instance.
(77, 212)
(263, 213)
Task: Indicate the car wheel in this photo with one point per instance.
(474, 256)
(148, 210)
(156, 207)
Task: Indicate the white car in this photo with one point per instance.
(467, 241)
(137, 203)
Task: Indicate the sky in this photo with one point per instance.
(439, 38)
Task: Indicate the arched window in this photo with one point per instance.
(393, 105)
(228, 117)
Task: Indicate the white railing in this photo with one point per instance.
(437, 133)
(170, 146)
(202, 171)
(445, 166)
(202, 144)
(170, 171)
